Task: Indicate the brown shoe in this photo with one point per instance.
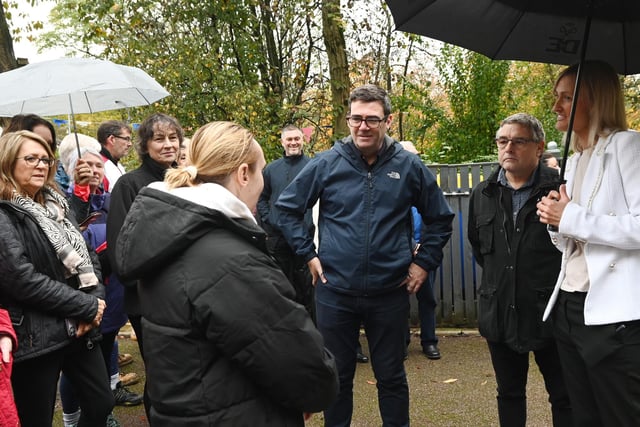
(124, 359)
(129, 379)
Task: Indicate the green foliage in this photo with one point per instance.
(246, 61)
(529, 89)
(263, 64)
(473, 84)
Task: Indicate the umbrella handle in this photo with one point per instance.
(75, 129)
(576, 90)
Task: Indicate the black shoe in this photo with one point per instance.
(361, 358)
(431, 351)
(124, 397)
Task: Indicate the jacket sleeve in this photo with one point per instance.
(6, 328)
(79, 203)
(270, 336)
(299, 196)
(437, 218)
(472, 229)
(616, 225)
(265, 199)
(23, 284)
(122, 198)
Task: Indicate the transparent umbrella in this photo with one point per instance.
(75, 85)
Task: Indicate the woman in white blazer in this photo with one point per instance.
(595, 307)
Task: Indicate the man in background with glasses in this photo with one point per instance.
(364, 268)
(520, 266)
(115, 138)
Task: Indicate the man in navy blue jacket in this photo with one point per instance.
(364, 268)
(277, 175)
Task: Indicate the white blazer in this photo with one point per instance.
(608, 222)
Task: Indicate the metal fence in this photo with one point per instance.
(458, 276)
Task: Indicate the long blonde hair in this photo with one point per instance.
(600, 85)
(10, 144)
(216, 150)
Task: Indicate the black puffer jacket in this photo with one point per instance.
(33, 288)
(225, 343)
(519, 263)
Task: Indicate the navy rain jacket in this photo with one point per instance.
(365, 225)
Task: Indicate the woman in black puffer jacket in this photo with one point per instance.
(225, 342)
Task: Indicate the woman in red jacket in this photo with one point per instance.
(8, 342)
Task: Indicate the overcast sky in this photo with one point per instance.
(25, 48)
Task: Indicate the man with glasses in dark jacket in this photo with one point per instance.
(520, 266)
(364, 268)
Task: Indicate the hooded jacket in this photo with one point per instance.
(519, 262)
(365, 223)
(225, 342)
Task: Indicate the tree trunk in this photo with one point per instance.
(332, 29)
(7, 56)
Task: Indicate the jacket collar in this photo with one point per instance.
(544, 179)
(349, 150)
(157, 170)
(105, 153)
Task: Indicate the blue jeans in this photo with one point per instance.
(385, 321)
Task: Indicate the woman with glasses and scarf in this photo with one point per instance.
(49, 287)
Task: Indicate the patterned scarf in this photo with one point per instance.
(64, 237)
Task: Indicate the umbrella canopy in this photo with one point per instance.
(549, 31)
(75, 85)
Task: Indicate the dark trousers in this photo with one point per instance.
(35, 381)
(385, 321)
(601, 364)
(67, 393)
(427, 312)
(296, 271)
(511, 369)
(136, 324)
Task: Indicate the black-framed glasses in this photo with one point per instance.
(126, 138)
(518, 142)
(35, 161)
(372, 122)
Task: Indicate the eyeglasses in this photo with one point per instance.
(35, 161)
(518, 142)
(126, 138)
(372, 122)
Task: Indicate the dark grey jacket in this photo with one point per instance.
(277, 175)
(519, 263)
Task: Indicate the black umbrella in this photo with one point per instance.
(549, 31)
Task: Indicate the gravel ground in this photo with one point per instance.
(457, 390)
